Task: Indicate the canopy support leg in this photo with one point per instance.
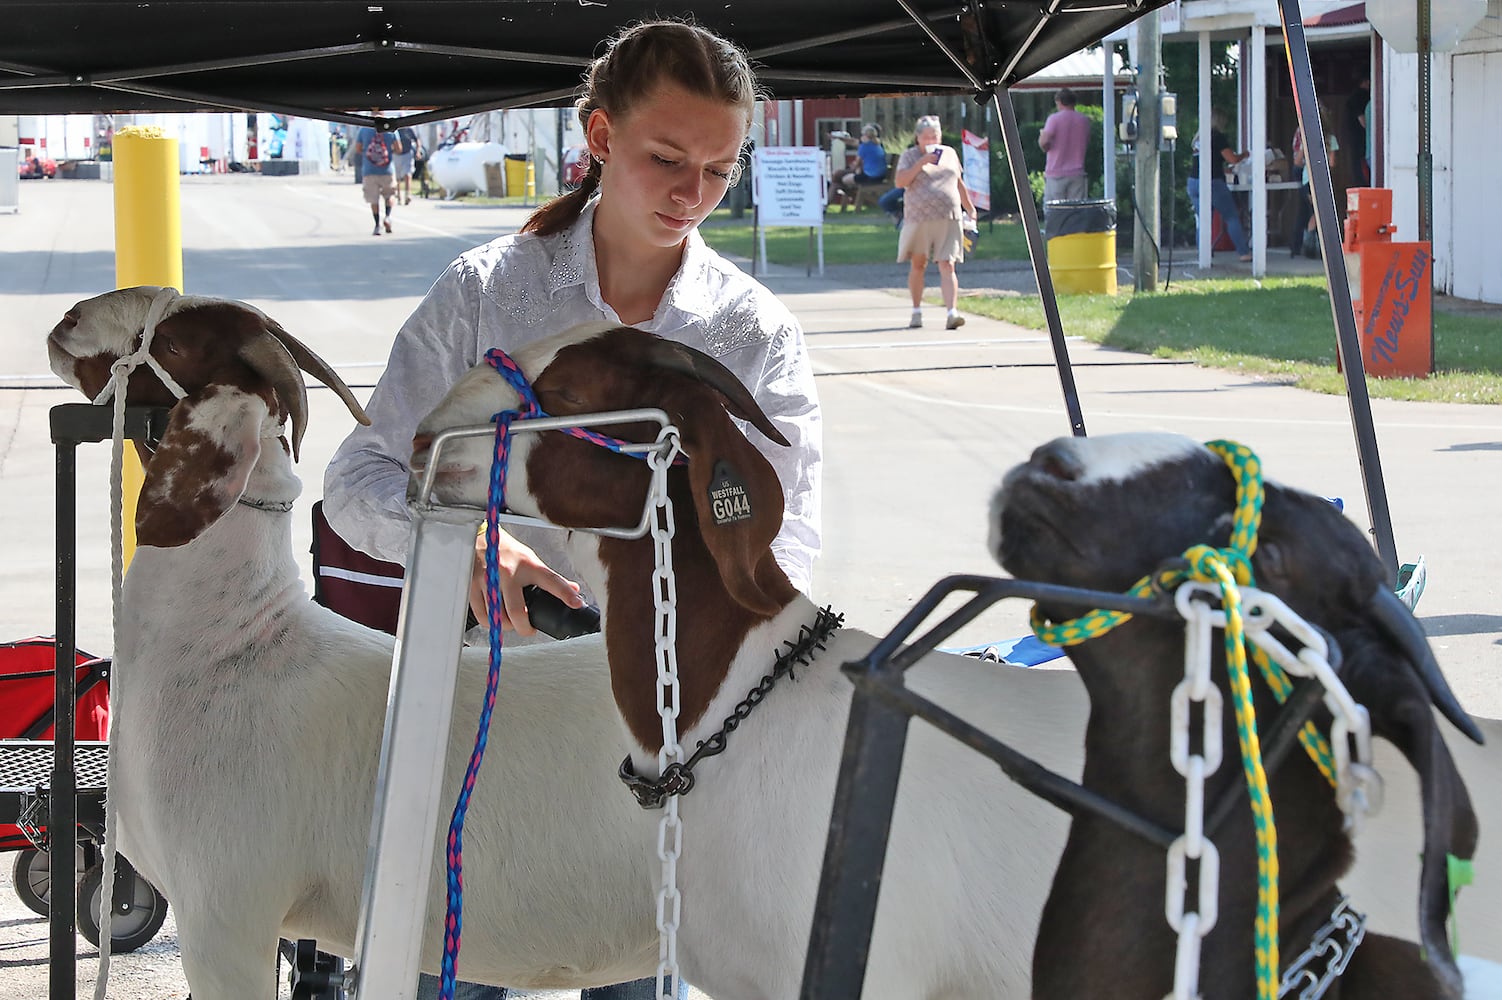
(1038, 252)
(1338, 281)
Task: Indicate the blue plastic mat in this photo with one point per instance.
(1025, 651)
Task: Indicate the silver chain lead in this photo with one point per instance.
(1333, 945)
(665, 607)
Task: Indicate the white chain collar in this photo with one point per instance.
(665, 604)
(1358, 791)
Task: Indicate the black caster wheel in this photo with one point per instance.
(138, 909)
(33, 879)
(315, 975)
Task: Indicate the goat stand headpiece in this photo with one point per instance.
(664, 453)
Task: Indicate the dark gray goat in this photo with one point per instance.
(1101, 513)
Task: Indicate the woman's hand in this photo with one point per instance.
(519, 567)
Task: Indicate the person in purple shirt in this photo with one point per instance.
(1064, 138)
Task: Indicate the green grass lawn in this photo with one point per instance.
(1276, 328)
(1279, 328)
(849, 238)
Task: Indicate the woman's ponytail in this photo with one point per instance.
(564, 210)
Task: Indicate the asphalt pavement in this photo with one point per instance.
(920, 424)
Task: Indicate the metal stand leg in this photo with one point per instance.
(1039, 254)
(1346, 339)
(409, 785)
(845, 911)
(62, 971)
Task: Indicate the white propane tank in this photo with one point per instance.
(460, 168)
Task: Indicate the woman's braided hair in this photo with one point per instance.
(636, 61)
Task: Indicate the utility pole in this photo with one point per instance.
(1145, 233)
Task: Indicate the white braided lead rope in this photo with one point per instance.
(120, 373)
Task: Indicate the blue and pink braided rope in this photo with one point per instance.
(453, 923)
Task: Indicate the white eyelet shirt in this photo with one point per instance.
(521, 288)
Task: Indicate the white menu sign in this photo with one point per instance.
(788, 183)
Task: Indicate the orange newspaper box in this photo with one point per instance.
(1390, 288)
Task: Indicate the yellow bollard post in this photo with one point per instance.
(148, 249)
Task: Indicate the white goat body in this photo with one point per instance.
(250, 723)
(245, 775)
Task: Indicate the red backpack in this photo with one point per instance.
(377, 153)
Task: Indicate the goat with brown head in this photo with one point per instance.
(1102, 513)
(952, 922)
(240, 370)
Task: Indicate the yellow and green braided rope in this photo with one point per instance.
(1230, 568)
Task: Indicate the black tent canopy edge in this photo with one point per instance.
(335, 60)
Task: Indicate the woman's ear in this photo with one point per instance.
(597, 132)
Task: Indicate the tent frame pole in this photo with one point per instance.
(1037, 251)
(1338, 281)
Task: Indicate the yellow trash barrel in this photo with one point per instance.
(520, 180)
(1081, 246)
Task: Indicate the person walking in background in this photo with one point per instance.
(377, 152)
(1304, 237)
(1065, 135)
(935, 204)
(666, 111)
(403, 162)
(1221, 154)
(1358, 113)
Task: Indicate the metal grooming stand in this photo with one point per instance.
(875, 738)
(419, 708)
(73, 424)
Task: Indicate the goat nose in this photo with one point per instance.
(1058, 459)
(69, 320)
(421, 442)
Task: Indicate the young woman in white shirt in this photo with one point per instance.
(666, 113)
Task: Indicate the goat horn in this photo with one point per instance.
(698, 365)
(267, 356)
(318, 368)
(1398, 623)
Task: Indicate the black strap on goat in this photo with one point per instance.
(678, 778)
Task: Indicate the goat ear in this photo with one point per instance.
(201, 466)
(274, 362)
(1450, 828)
(1395, 676)
(738, 502)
